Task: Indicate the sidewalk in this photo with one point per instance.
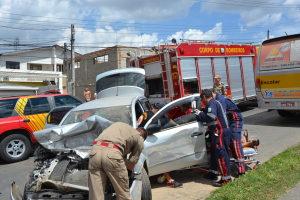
(292, 194)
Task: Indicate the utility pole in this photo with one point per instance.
(72, 59)
(65, 67)
(268, 34)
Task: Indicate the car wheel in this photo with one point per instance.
(146, 186)
(15, 148)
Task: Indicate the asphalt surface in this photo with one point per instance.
(274, 132)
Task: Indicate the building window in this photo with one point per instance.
(12, 65)
(35, 67)
(101, 59)
(59, 68)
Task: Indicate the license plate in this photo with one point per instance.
(287, 104)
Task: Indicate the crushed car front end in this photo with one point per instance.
(61, 170)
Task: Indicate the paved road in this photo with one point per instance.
(275, 134)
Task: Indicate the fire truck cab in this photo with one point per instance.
(190, 67)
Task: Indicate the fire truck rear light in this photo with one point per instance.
(181, 50)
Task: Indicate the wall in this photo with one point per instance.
(85, 76)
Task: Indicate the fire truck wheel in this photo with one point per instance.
(15, 148)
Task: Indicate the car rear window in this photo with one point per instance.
(66, 100)
(7, 107)
(114, 114)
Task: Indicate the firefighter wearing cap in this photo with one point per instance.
(236, 122)
(219, 133)
(106, 159)
(218, 87)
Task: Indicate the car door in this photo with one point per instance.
(176, 144)
(33, 112)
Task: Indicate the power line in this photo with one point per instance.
(249, 5)
(159, 25)
(21, 28)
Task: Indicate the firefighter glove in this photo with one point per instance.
(197, 112)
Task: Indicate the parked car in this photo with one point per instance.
(62, 162)
(20, 116)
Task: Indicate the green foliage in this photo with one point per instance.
(268, 181)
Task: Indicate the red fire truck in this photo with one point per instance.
(190, 67)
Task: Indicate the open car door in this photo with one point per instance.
(176, 144)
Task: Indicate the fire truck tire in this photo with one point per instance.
(146, 186)
(14, 148)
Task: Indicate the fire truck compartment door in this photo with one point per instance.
(206, 76)
(153, 70)
(188, 69)
(235, 78)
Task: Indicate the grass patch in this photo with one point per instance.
(269, 181)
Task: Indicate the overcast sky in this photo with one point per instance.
(103, 23)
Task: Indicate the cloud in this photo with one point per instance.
(92, 40)
(242, 29)
(98, 23)
(194, 34)
(154, 10)
(251, 13)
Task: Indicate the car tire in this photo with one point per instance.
(146, 186)
(15, 148)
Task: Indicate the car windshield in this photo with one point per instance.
(114, 114)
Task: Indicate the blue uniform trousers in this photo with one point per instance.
(236, 122)
(219, 158)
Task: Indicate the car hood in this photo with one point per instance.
(78, 137)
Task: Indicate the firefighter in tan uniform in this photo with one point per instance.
(218, 87)
(106, 159)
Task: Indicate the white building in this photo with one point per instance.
(34, 67)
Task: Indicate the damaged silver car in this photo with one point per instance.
(61, 170)
(62, 161)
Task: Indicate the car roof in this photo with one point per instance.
(107, 102)
(31, 96)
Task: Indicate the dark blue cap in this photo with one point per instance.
(158, 105)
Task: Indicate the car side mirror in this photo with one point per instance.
(153, 128)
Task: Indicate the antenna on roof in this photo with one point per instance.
(16, 43)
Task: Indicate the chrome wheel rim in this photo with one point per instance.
(15, 148)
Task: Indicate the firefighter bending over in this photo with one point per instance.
(106, 159)
(219, 133)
